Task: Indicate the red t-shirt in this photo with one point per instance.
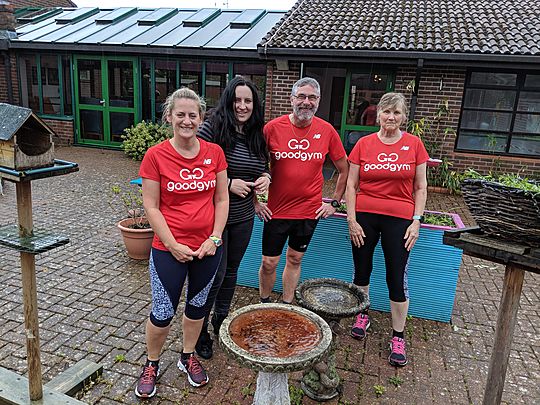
(387, 174)
(187, 189)
(296, 159)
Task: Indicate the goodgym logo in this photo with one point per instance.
(297, 150)
(191, 181)
(196, 174)
(386, 162)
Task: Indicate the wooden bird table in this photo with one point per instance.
(15, 389)
(518, 259)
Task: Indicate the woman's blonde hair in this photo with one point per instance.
(183, 92)
(389, 100)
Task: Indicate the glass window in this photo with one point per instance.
(29, 82)
(366, 89)
(50, 84)
(493, 79)
(492, 121)
(191, 76)
(254, 72)
(145, 87)
(66, 85)
(217, 75)
(165, 76)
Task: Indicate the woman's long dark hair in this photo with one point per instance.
(223, 120)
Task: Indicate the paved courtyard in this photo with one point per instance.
(93, 302)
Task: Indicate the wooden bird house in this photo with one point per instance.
(25, 140)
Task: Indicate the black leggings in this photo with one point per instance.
(235, 242)
(390, 230)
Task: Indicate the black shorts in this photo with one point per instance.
(276, 232)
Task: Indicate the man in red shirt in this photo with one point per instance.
(298, 144)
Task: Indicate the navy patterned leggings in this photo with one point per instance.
(167, 277)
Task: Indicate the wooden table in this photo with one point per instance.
(518, 259)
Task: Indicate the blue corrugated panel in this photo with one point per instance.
(432, 275)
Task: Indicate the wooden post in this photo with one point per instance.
(28, 267)
(506, 321)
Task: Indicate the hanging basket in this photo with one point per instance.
(504, 212)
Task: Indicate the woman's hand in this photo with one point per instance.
(240, 187)
(324, 211)
(182, 253)
(261, 184)
(411, 235)
(208, 248)
(356, 232)
(262, 211)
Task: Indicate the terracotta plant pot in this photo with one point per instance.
(138, 241)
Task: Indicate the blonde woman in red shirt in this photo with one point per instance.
(386, 195)
(186, 201)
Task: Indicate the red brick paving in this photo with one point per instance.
(94, 300)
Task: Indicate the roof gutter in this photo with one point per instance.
(134, 49)
(360, 55)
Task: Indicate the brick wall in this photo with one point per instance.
(7, 18)
(14, 81)
(278, 89)
(64, 131)
(438, 84)
(42, 3)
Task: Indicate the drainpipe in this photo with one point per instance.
(414, 98)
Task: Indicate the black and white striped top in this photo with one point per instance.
(241, 165)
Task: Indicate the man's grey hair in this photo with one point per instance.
(306, 81)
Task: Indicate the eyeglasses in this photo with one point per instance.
(311, 97)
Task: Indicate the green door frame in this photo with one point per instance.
(345, 128)
(105, 109)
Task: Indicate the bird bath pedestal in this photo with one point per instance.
(333, 300)
(275, 339)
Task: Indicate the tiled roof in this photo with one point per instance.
(506, 27)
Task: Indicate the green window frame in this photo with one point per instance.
(148, 64)
(45, 76)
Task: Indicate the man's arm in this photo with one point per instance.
(342, 166)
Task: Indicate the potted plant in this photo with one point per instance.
(135, 228)
(433, 274)
(505, 206)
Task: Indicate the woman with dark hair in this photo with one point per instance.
(236, 125)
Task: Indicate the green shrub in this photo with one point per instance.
(142, 136)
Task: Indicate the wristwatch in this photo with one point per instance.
(419, 218)
(335, 203)
(217, 241)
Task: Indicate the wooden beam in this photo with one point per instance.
(506, 321)
(76, 377)
(28, 268)
(14, 391)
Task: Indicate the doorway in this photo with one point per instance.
(106, 99)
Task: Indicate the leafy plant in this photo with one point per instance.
(296, 394)
(139, 138)
(439, 219)
(132, 203)
(379, 389)
(508, 179)
(395, 380)
(119, 358)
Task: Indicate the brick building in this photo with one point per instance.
(470, 70)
